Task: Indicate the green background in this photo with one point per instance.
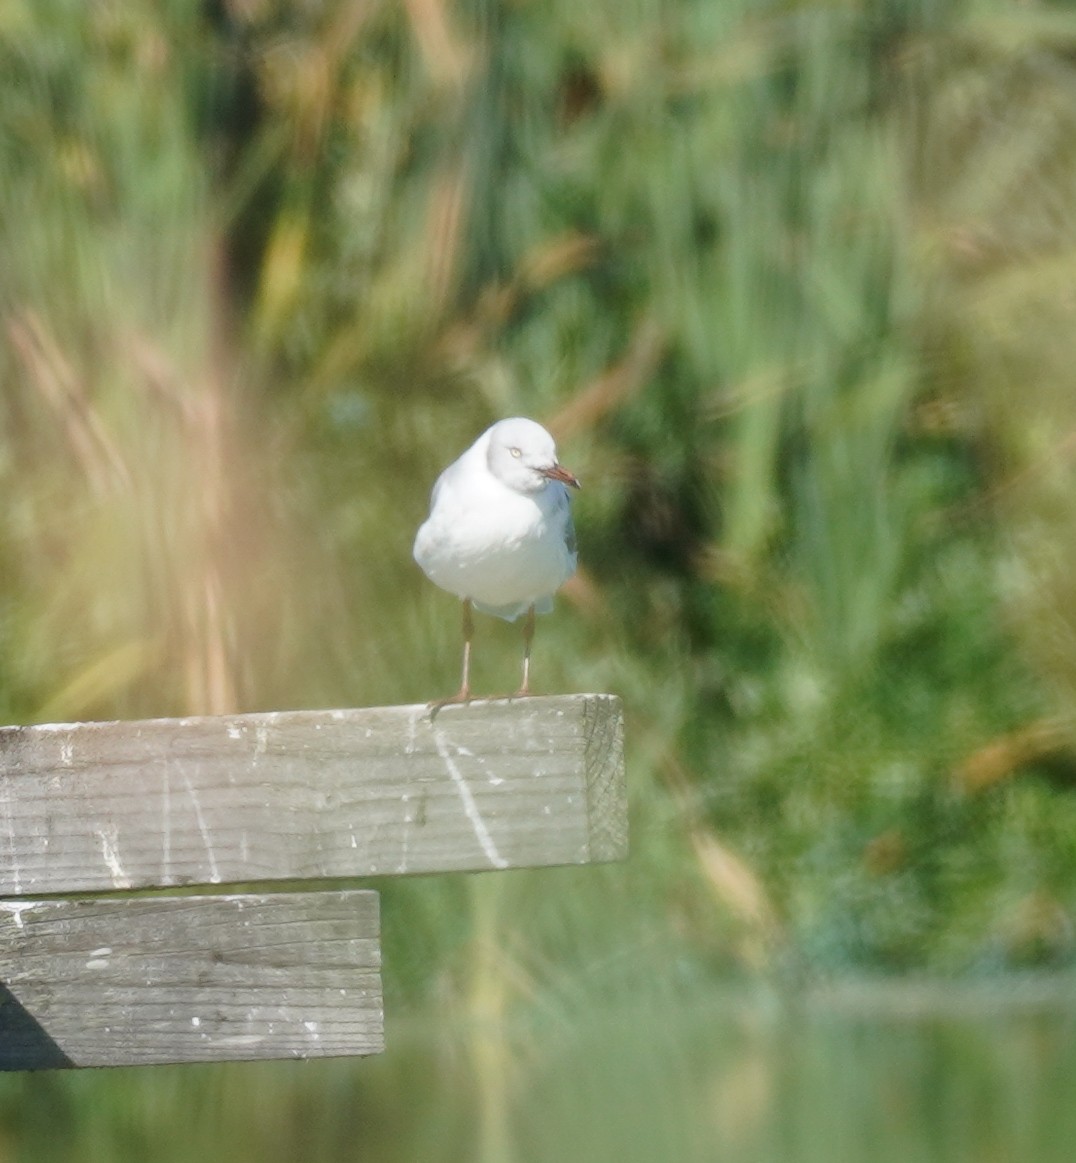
(792, 283)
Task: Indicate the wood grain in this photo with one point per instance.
(136, 980)
(310, 794)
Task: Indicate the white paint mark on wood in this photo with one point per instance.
(166, 820)
(412, 729)
(9, 826)
(469, 806)
(16, 909)
(405, 836)
(214, 872)
(493, 780)
(110, 854)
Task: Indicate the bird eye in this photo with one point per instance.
(515, 452)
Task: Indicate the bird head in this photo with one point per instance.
(522, 455)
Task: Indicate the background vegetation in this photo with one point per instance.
(793, 285)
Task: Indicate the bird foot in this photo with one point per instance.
(524, 692)
(461, 698)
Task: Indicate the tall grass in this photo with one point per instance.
(791, 286)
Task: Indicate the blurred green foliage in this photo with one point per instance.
(791, 282)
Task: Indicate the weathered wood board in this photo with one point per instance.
(310, 794)
(138, 980)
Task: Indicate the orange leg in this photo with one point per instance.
(463, 695)
(528, 638)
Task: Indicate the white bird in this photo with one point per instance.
(499, 534)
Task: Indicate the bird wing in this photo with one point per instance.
(563, 509)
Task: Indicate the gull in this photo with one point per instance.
(499, 534)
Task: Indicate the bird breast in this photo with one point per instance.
(521, 557)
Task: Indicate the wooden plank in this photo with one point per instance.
(134, 980)
(310, 794)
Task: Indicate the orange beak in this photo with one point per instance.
(559, 473)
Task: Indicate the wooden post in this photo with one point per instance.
(289, 796)
(127, 980)
(296, 795)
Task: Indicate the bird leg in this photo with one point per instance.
(528, 638)
(463, 695)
